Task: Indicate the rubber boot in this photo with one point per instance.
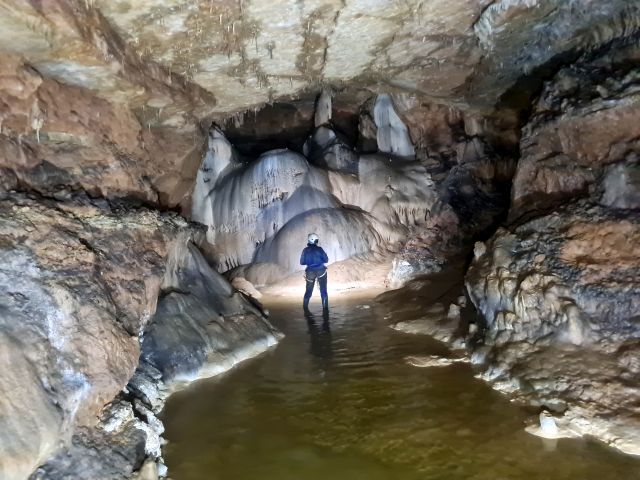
(325, 304)
(305, 305)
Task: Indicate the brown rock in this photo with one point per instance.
(560, 298)
(575, 134)
(57, 136)
(79, 282)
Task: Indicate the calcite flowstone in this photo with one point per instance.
(430, 361)
(261, 211)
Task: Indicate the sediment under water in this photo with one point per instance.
(335, 400)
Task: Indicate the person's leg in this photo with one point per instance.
(310, 279)
(322, 281)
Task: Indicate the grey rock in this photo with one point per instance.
(621, 186)
(561, 287)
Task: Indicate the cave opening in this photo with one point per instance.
(471, 171)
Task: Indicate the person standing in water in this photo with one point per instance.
(314, 257)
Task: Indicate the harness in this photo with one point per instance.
(317, 276)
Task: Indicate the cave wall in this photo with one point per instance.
(86, 177)
(582, 138)
(58, 139)
(200, 327)
(105, 108)
(74, 303)
(558, 286)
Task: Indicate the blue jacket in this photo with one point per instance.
(314, 257)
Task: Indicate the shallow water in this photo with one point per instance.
(336, 401)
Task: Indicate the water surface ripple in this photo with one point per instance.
(335, 400)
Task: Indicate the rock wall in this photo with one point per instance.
(57, 139)
(471, 161)
(80, 282)
(582, 139)
(83, 261)
(558, 289)
(201, 327)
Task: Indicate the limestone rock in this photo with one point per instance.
(261, 212)
(559, 26)
(429, 248)
(621, 186)
(581, 144)
(240, 55)
(116, 415)
(427, 361)
(73, 302)
(392, 134)
(245, 286)
(327, 149)
(550, 427)
(201, 326)
(367, 134)
(323, 108)
(58, 137)
(94, 454)
(436, 323)
(149, 471)
(102, 109)
(559, 299)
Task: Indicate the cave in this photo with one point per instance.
(471, 169)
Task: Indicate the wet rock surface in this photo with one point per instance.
(560, 298)
(74, 302)
(81, 280)
(202, 326)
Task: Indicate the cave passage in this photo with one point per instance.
(476, 164)
(338, 401)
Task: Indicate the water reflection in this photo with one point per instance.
(321, 343)
(336, 400)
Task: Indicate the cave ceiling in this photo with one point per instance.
(213, 58)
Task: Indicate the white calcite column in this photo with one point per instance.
(323, 108)
(392, 135)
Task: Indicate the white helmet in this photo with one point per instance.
(312, 239)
